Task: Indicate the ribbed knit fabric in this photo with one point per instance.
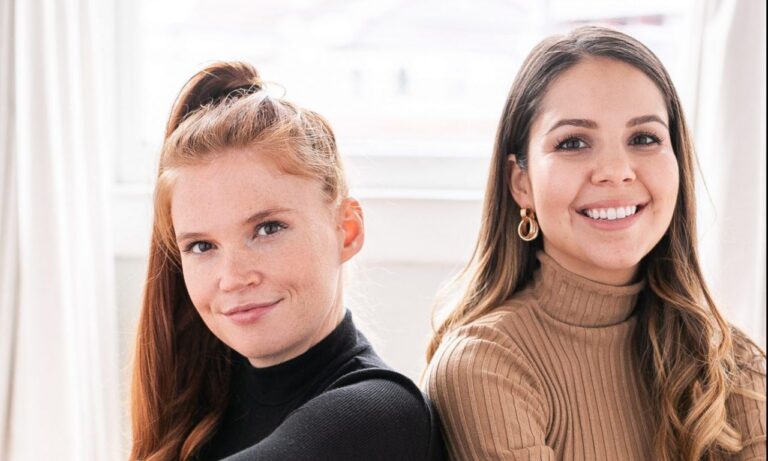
(551, 375)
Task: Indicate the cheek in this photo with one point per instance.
(199, 287)
(309, 262)
(325, 257)
(554, 203)
(663, 182)
(328, 261)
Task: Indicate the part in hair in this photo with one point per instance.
(692, 357)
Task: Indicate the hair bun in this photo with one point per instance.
(212, 84)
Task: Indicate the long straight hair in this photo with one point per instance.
(181, 371)
(684, 343)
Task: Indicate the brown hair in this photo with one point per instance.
(181, 371)
(685, 344)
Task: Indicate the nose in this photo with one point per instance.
(238, 271)
(613, 167)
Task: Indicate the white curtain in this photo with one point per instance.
(8, 219)
(58, 352)
(729, 125)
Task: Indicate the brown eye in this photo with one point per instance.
(571, 144)
(644, 139)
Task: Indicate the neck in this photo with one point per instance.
(576, 300)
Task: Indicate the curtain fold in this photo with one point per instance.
(8, 219)
(60, 358)
(729, 126)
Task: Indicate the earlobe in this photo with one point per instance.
(519, 183)
(352, 227)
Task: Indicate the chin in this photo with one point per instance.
(251, 345)
(263, 353)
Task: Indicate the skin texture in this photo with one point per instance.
(607, 162)
(250, 233)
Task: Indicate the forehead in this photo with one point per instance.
(604, 90)
(234, 185)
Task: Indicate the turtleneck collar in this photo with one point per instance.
(282, 382)
(578, 301)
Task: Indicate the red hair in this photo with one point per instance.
(181, 371)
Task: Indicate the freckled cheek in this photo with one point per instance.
(285, 265)
(201, 285)
(310, 268)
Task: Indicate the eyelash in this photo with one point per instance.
(655, 139)
(559, 143)
(189, 248)
(280, 226)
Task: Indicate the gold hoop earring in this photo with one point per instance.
(528, 219)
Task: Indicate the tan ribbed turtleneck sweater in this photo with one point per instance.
(551, 375)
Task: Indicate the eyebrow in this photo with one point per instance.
(645, 119)
(591, 124)
(580, 122)
(256, 217)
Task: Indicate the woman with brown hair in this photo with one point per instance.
(244, 349)
(585, 329)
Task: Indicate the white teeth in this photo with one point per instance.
(611, 214)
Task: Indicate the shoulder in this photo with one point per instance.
(381, 390)
(749, 357)
(381, 394)
(746, 402)
(372, 414)
(485, 358)
(750, 364)
(492, 339)
(485, 387)
(517, 312)
(380, 412)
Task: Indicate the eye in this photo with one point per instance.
(199, 247)
(268, 228)
(571, 143)
(644, 139)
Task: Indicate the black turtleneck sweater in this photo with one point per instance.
(337, 401)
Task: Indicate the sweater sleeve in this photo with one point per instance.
(372, 419)
(748, 414)
(490, 400)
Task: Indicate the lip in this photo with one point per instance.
(249, 313)
(616, 224)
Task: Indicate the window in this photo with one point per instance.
(414, 91)
(400, 82)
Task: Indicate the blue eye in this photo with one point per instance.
(268, 228)
(571, 143)
(198, 247)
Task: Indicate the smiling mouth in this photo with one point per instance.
(611, 214)
(239, 310)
